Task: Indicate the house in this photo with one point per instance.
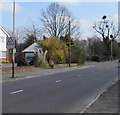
(31, 50)
(3, 50)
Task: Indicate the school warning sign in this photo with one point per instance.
(10, 43)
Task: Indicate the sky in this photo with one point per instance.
(85, 12)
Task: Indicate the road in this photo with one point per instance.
(66, 92)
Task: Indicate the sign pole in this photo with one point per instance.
(13, 34)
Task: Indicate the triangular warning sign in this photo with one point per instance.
(10, 41)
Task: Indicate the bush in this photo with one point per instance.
(22, 62)
(81, 60)
(5, 61)
(96, 58)
(41, 63)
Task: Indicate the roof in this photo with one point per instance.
(32, 48)
(4, 31)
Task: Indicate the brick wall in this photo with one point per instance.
(3, 59)
(17, 69)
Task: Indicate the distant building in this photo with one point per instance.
(3, 50)
(31, 50)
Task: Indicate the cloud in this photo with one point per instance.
(8, 7)
(86, 28)
(86, 35)
(85, 23)
(115, 18)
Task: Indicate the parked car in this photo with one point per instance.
(30, 59)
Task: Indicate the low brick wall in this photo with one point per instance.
(17, 69)
(3, 59)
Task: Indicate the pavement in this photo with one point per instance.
(5, 65)
(37, 72)
(106, 102)
(73, 90)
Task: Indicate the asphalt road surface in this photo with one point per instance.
(66, 92)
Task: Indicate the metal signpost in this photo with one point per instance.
(10, 43)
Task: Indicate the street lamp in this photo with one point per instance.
(111, 36)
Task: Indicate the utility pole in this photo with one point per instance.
(111, 50)
(13, 35)
(69, 46)
(111, 36)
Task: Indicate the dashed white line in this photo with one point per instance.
(58, 81)
(50, 73)
(16, 92)
(79, 75)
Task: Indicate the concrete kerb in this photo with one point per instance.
(97, 97)
(18, 77)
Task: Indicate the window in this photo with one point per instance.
(3, 54)
(2, 38)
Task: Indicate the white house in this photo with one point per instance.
(31, 50)
(3, 50)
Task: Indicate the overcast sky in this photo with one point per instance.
(85, 12)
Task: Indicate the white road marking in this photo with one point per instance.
(16, 92)
(86, 67)
(50, 73)
(58, 81)
(67, 68)
(79, 75)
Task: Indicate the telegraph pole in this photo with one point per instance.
(111, 50)
(111, 36)
(69, 46)
(13, 35)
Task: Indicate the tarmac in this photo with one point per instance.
(107, 102)
(37, 72)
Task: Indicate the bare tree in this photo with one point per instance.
(35, 31)
(106, 28)
(55, 21)
(20, 34)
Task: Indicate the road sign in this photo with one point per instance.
(10, 43)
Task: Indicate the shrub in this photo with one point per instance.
(5, 61)
(57, 50)
(22, 62)
(81, 60)
(41, 63)
(96, 58)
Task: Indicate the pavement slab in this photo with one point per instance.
(107, 102)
